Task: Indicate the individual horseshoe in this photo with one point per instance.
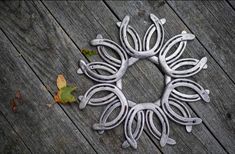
(153, 130)
(137, 41)
(179, 73)
(147, 53)
(115, 91)
(107, 78)
(182, 83)
(106, 113)
(181, 107)
(121, 98)
(140, 107)
(184, 111)
(138, 130)
(109, 109)
(174, 56)
(105, 67)
(107, 57)
(114, 61)
(175, 93)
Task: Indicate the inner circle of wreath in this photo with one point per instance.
(143, 113)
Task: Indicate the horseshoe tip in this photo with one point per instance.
(82, 106)
(189, 128)
(118, 24)
(125, 144)
(99, 36)
(197, 121)
(97, 126)
(93, 42)
(126, 18)
(163, 21)
(101, 132)
(188, 36)
(79, 71)
(152, 16)
(133, 143)
(171, 141)
(80, 97)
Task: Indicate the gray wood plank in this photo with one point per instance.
(144, 73)
(213, 22)
(218, 114)
(10, 142)
(232, 3)
(49, 51)
(41, 128)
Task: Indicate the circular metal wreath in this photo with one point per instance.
(116, 68)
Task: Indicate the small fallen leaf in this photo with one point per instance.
(13, 105)
(89, 53)
(64, 95)
(61, 82)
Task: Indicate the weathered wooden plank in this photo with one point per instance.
(218, 114)
(49, 51)
(10, 142)
(146, 75)
(41, 128)
(232, 3)
(213, 22)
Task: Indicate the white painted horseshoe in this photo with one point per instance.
(153, 130)
(140, 107)
(179, 73)
(110, 97)
(106, 113)
(121, 98)
(147, 53)
(86, 99)
(175, 93)
(166, 95)
(107, 78)
(184, 111)
(171, 58)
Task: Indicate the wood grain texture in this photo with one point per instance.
(49, 51)
(232, 3)
(213, 22)
(10, 142)
(100, 18)
(218, 114)
(41, 128)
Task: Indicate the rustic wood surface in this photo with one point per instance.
(42, 39)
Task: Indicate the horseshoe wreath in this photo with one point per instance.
(143, 113)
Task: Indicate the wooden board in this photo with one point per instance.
(10, 142)
(217, 114)
(44, 39)
(141, 71)
(49, 51)
(42, 129)
(213, 22)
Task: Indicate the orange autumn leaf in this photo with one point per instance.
(57, 98)
(64, 94)
(61, 82)
(13, 105)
